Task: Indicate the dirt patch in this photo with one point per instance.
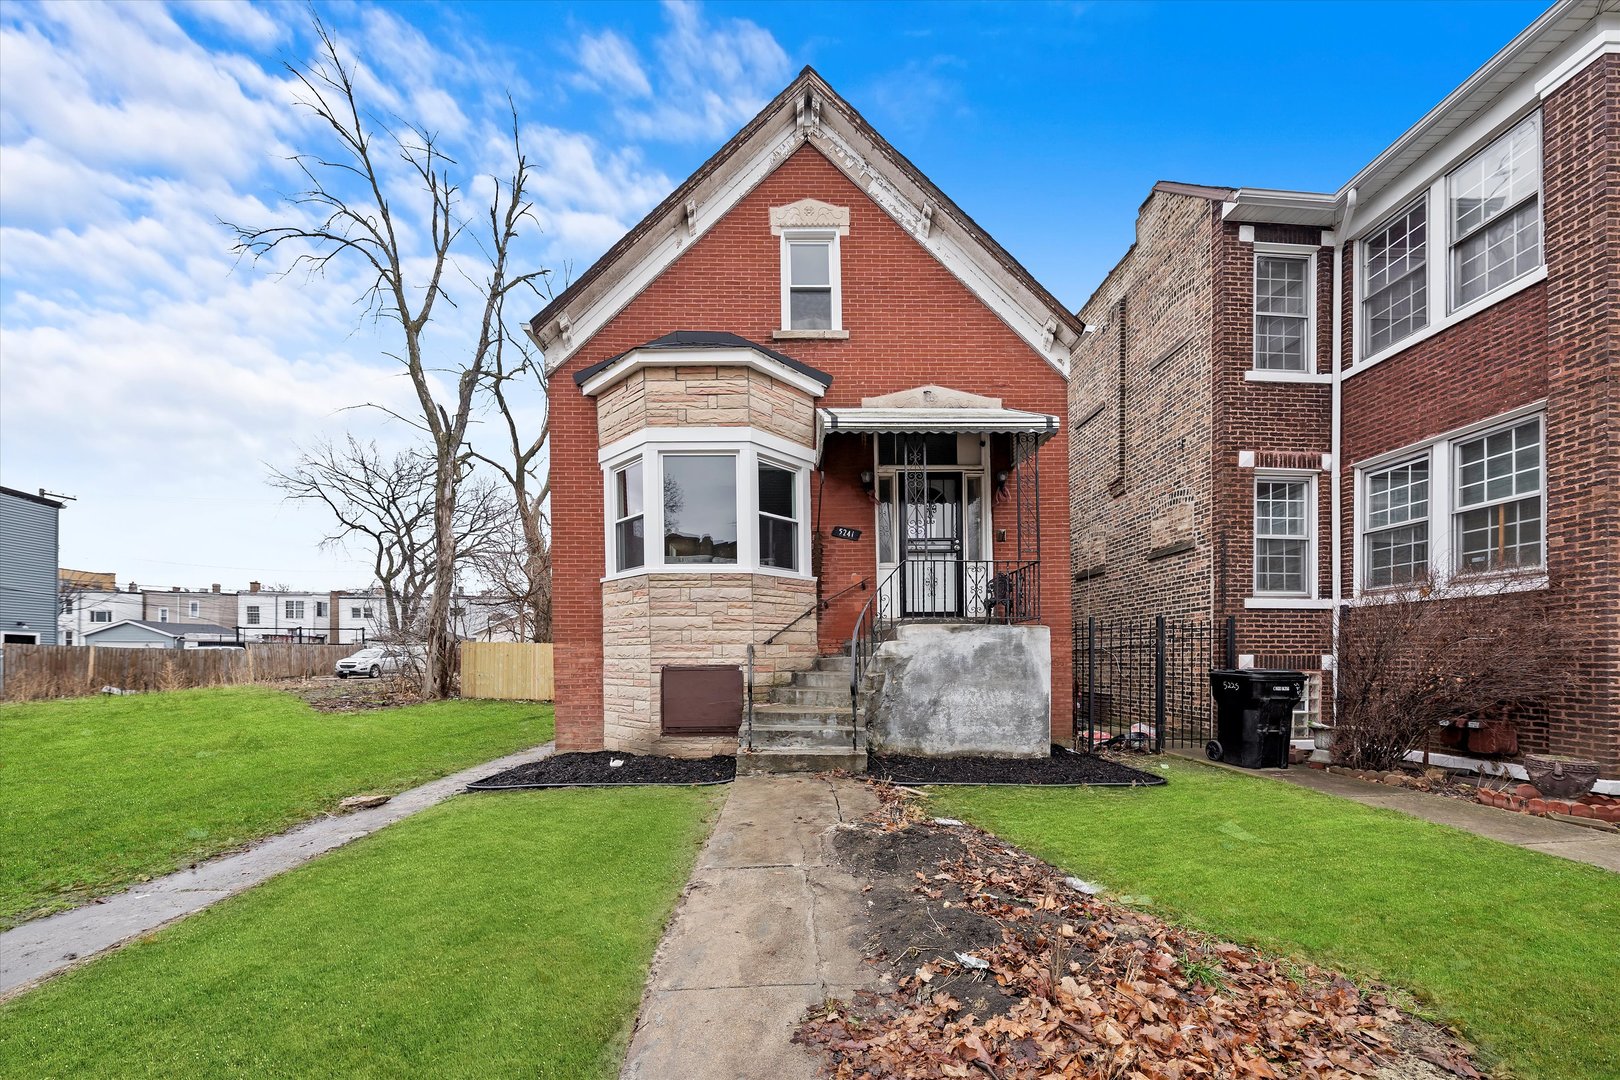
(597, 769)
(353, 695)
(1004, 967)
(1062, 767)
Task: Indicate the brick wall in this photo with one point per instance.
(910, 322)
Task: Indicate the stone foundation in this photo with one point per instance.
(653, 620)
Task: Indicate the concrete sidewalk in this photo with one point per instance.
(769, 926)
(39, 949)
(1599, 848)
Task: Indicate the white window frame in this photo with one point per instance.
(835, 277)
(800, 518)
(251, 615)
(163, 614)
(1443, 551)
(1309, 597)
(1454, 239)
(615, 519)
(1310, 703)
(193, 609)
(1458, 509)
(1365, 531)
(292, 609)
(101, 615)
(1443, 314)
(1299, 253)
(749, 446)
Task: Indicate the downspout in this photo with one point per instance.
(1336, 475)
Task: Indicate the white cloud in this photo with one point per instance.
(146, 371)
(609, 63)
(711, 77)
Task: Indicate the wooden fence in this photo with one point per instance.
(32, 672)
(507, 670)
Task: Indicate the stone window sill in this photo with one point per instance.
(810, 335)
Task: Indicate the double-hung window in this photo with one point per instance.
(778, 517)
(101, 616)
(629, 521)
(1497, 516)
(193, 608)
(252, 615)
(1396, 536)
(1282, 535)
(163, 614)
(1495, 209)
(810, 281)
(1395, 302)
(294, 609)
(1282, 313)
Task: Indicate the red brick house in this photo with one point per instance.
(1297, 399)
(807, 400)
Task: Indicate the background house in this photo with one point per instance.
(177, 604)
(1297, 399)
(92, 601)
(28, 554)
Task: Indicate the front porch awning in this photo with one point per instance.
(933, 410)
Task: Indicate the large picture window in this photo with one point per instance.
(1498, 518)
(1495, 207)
(1397, 533)
(1282, 537)
(629, 532)
(1282, 313)
(700, 508)
(1395, 278)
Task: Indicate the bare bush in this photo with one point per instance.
(1411, 657)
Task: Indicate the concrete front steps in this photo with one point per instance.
(806, 726)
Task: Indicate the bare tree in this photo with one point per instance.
(1411, 657)
(387, 505)
(357, 224)
(517, 576)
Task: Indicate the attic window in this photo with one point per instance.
(811, 298)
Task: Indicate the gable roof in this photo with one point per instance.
(807, 112)
(168, 629)
(703, 339)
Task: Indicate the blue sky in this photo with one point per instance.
(144, 372)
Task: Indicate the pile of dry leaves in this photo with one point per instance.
(1065, 984)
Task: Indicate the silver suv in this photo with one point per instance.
(379, 660)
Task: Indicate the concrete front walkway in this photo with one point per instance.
(42, 948)
(769, 926)
(1593, 846)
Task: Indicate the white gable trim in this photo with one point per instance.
(882, 180)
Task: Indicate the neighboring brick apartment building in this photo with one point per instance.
(1289, 399)
(739, 386)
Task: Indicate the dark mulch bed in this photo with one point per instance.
(1062, 768)
(594, 770)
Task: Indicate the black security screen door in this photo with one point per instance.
(932, 537)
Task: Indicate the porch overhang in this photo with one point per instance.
(868, 420)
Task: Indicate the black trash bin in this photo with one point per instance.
(1254, 716)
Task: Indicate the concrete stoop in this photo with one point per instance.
(806, 726)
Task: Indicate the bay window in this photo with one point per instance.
(727, 500)
(1282, 509)
(1395, 303)
(1494, 203)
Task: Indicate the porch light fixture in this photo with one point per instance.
(1001, 482)
(866, 481)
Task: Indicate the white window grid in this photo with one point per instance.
(1499, 523)
(1308, 711)
(101, 616)
(1395, 277)
(294, 609)
(251, 617)
(1284, 512)
(1396, 538)
(1494, 201)
(751, 448)
(832, 286)
(1284, 338)
(1519, 480)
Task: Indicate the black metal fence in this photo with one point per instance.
(1145, 682)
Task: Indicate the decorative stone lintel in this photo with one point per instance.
(809, 214)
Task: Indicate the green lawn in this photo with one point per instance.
(1518, 948)
(97, 793)
(492, 935)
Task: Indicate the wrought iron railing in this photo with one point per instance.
(945, 590)
(1144, 682)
